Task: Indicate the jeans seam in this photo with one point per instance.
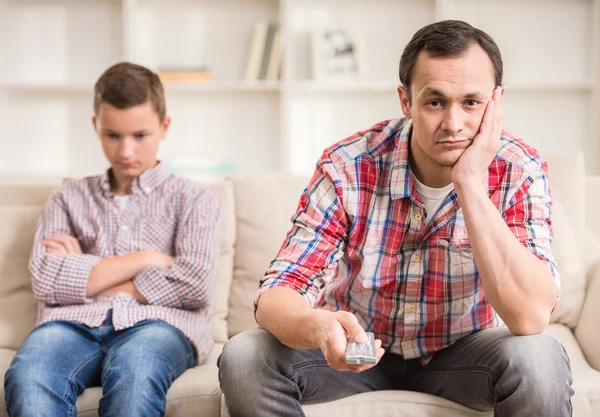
(475, 369)
(307, 365)
(461, 370)
(301, 366)
(74, 373)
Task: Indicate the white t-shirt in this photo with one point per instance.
(122, 201)
(433, 198)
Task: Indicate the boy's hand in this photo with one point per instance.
(62, 244)
(475, 161)
(160, 260)
(127, 287)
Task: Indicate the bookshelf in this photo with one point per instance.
(54, 50)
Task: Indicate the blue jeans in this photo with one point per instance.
(60, 359)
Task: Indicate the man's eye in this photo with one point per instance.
(471, 103)
(435, 103)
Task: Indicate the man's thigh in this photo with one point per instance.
(474, 370)
(149, 347)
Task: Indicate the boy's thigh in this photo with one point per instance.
(60, 350)
(148, 347)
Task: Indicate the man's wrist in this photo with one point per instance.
(468, 187)
(315, 331)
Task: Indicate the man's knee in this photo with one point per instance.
(247, 353)
(539, 360)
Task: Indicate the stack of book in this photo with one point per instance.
(264, 57)
(184, 76)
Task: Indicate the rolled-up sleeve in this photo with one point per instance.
(58, 279)
(316, 241)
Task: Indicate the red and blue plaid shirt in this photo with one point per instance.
(164, 213)
(361, 242)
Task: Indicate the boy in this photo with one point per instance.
(123, 267)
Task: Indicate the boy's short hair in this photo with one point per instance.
(126, 85)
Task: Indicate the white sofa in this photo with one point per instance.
(256, 213)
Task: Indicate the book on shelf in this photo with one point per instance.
(264, 56)
(185, 76)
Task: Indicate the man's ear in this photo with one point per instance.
(404, 97)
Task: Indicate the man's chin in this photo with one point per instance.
(449, 158)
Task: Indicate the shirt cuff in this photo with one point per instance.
(75, 269)
(151, 283)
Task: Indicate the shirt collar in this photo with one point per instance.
(402, 180)
(145, 183)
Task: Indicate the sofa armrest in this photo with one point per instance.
(586, 332)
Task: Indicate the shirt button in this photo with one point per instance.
(124, 228)
(418, 217)
(411, 307)
(147, 190)
(416, 258)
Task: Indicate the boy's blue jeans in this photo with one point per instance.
(134, 366)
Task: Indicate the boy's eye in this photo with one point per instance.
(140, 135)
(113, 136)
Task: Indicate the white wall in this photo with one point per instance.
(52, 51)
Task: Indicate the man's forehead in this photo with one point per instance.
(473, 68)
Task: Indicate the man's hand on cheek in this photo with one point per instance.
(476, 159)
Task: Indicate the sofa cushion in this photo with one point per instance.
(566, 175)
(223, 190)
(18, 308)
(567, 180)
(570, 262)
(264, 206)
(195, 392)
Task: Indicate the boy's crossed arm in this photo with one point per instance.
(111, 275)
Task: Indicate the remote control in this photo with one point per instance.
(362, 353)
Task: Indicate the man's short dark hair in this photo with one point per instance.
(447, 39)
(126, 85)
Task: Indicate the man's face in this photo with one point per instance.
(130, 137)
(448, 100)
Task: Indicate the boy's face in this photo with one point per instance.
(449, 97)
(130, 137)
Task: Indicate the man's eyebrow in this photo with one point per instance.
(477, 95)
(429, 91)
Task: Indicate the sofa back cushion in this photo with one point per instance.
(264, 206)
(223, 190)
(20, 208)
(566, 172)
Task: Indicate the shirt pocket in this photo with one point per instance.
(158, 233)
(460, 271)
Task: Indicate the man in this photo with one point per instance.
(431, 231)
(123, 267)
